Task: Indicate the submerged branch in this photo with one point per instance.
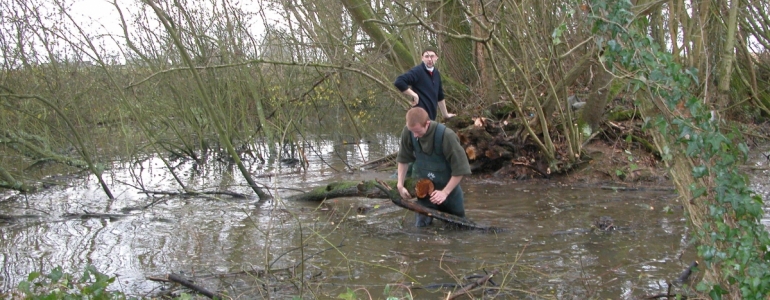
(474, 284)
(178, 279)
(7, 181)
(193, 193)
(33, 151)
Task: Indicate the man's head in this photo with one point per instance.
(429, 57)
(417, 121)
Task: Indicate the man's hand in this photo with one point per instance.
(415, 99)
(438, 197)
(404, 192)
(442, 108)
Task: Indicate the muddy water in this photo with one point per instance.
(320, 251)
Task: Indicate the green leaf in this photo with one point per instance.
(693, 72)
(755, 284)
(24, 286)
(32, 276)
(716, 292)
(744, 149)
(347, 295)
(557, 33)
(55, 275)
(699, 171)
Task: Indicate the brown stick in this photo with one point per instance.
(178, 279)
(473, 285)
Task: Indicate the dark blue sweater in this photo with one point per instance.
(428, 88)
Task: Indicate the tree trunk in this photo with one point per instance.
(361, 11)
(456, 53)
(593, 111)
(728, 51)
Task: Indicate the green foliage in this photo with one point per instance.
(732, 239)
(59, 285)
(348, 295)
(388, 293)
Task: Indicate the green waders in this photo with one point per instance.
(436, 168)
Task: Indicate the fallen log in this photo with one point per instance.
(385, 190)
(413, 206)
(350, 189)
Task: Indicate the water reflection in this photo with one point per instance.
(547, 250)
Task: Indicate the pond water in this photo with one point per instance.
(368, 246)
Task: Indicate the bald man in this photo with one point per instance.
(437, 155)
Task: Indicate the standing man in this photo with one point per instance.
(423, 85)
(437, 155)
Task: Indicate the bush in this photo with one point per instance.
(59, 285)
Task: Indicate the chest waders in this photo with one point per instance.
(436, 168)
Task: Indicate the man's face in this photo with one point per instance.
(418, 130)
(429, 58)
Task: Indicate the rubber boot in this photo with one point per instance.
(423, 220)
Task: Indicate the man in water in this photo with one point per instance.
(437, 155)
(423, 85)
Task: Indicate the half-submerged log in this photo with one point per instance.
(413, 206)
(342, 189)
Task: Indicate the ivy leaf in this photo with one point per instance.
(55, 275)
(558, 32)
(32, 276)
(24, 286)
(699, 171)
(697, 192)
(744, 149)
(693, 72)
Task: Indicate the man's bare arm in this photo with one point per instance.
(442, 107)
(415, 98)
